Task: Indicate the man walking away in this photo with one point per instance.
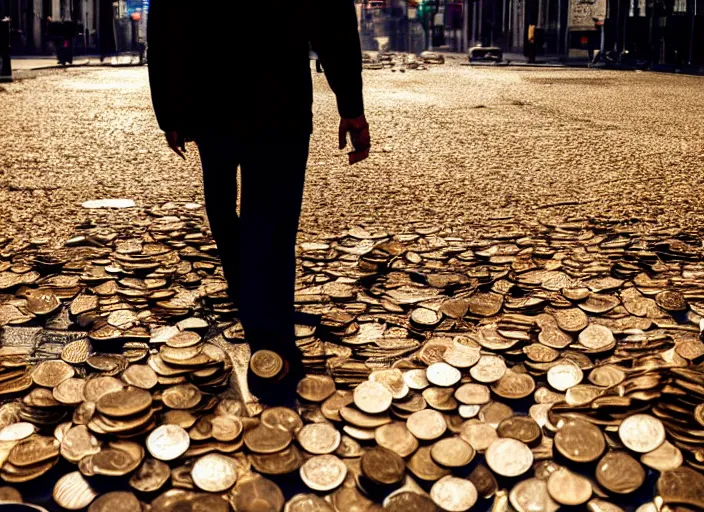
(240, 87)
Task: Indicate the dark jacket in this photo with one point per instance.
(242, 66)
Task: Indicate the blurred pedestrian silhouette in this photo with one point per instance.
(241, 88)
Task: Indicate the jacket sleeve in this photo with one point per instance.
(163, 61)
(334, 37)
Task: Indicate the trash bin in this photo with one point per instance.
(5, 62)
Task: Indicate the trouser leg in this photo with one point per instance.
(273, 175)
(219, 158)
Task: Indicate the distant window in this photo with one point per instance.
(680, 6)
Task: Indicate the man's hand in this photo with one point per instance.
(358, 128)
(177, 143)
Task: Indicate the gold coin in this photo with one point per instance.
(96, 387)
(307, 503)
(426, 425)
(183, 419)
(682, 486)
(665, 457)
(514, 385)
(263, 439)
(563, 376)
(393, 379)
(383, 466)
(319, 438)
(316, 388)
(253, 494)
(422, 465)
(494, 413)
(509, 457)
(150, 476)
(279, 463)
(73, 492)
(671, 301)
(118, 459)
(461, 356)
(76, 352)
(597, 505)
(288, 419)
(50, 374)
(484, 481)
(10, 495)
(184, 396)
(331, 407)
(597, 337)
(580, 441)
(83, 414)
(118, 501)
(440, 399)
(489, 368)
(522, 428)
(214, 473)
(77, 443)
(396, 437)
(168, 442)
(442, 374)
(619, 473)
(641, 433)
(540, 353)
(416, 379)
(532, 496)
(478, 434)
(452, 452)
(473, 394)
(372, 397)
(571, 320)
(109, 364)
(70, 391)
(323, 473)
(17, 431)
(454, 494)
(140, 376)
(225, 429)
(266, 364)
(33, 450)
(124, 402)
(409, 500)
(568, 488)
(184, 339)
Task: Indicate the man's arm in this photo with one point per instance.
(335, 39)
(163, 57)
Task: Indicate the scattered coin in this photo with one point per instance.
(532, 495)
(73, 492)
(214, 473)
(568, 488)
(383, 466)
(323, 473)
(642, 433)
(452, 452)
(426, 425)
(454, 494)
(319, 438)
(372, 397)
(168, 442)
(118, 501)
(580, 441)
(619, 473)
(509, 457)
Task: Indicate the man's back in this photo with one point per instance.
(244, 66)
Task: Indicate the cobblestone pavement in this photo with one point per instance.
(454, 145)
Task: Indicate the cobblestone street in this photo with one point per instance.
(510, 295)
(453, 146)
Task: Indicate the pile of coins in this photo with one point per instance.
(401, 61)
(525, 368)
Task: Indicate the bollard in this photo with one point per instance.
(5, 63)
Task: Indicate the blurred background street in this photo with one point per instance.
(452, 145)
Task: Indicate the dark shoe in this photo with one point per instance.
(278, 389)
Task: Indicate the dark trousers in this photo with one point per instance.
(257, 247)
